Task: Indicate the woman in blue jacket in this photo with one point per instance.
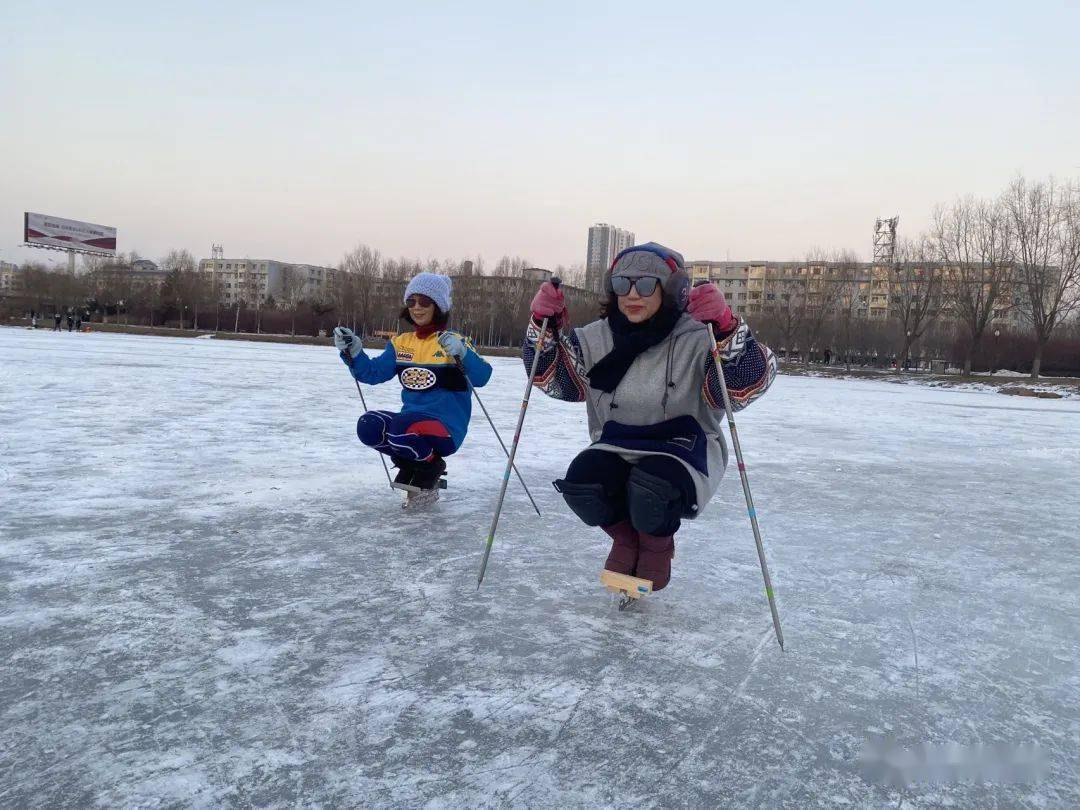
(431, 363)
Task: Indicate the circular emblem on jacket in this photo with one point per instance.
(417, 379)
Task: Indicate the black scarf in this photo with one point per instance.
(630, 339)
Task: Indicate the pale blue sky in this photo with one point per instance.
(294, 131)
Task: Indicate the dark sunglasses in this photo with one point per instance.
(418, 301)
(645, 285)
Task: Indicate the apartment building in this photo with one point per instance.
(754, 287)
(605, 243)
(252, 280)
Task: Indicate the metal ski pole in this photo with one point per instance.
(746, 489)
(514, 445)
(480, 402)
(381, 456)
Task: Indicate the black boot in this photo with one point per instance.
(406, 470)
(428, 473)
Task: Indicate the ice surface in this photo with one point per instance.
(209, 596)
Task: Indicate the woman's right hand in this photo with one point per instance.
(549, 302)
(347, 342)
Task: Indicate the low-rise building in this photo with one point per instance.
(755, 287)
(260, 280)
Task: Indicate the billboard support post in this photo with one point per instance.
(71, 262)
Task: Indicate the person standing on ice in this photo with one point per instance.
(431, 364)
(647, 374)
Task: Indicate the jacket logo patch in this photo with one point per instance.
(417, 379)
(686, 442)
(403, 355)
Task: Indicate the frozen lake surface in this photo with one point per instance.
(209, 597)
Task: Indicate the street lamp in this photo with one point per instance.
(997, 356)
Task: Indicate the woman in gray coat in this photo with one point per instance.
(649, 380)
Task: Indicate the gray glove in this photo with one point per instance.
(453, 345)
(347, 342)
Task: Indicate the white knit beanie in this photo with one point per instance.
(434, 286)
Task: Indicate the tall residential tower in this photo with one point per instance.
(605, 242)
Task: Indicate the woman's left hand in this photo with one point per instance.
(708, 305)
(453, 345)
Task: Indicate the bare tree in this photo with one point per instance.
(915, 294)
(851, 303)
(182, 287)
(572, 275)
(971, 239)
(1045, 221)
(292, 291)
(198, 290)
(92, 262)
(401, 269)
(356, 294)
(507, 266)
(823, 293)
(178, 259)
(783, 302)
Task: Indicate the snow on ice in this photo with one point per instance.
(209, 596)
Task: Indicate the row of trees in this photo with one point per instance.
(363, 292)
(942, 295)
(980, 262)
(367, 289)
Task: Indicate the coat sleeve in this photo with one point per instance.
(560, 372)
(373, 371)
(749, 369)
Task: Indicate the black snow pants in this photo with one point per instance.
(603, 489)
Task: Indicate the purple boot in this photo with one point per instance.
(623, 557)
(654, 559)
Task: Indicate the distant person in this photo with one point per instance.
(33, 320)
(70, 321)
(78, 322)
(828, 356)
(57, 317)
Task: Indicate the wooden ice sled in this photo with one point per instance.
(411, 488)
(628, 587)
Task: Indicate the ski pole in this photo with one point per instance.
(381, 456)
(746, 488)
(514, 445)
(480, 402)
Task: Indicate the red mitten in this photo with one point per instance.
(549, 302)
(708, 305)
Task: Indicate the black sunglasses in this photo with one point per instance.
(645, 285)
(418, 301)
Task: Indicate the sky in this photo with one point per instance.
(742, 131)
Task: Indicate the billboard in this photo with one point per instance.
(41, 230)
